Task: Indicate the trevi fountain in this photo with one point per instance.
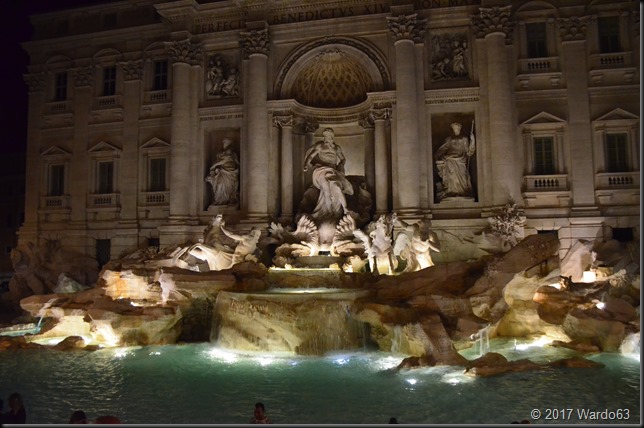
(342, 317)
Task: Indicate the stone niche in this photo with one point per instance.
(441, 130)
(213, 145)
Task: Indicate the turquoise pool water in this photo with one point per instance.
(202, 384)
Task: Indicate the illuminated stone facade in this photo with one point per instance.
(130, 103)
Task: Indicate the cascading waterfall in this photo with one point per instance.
(482, 342)
(631, 345)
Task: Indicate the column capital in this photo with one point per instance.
(310, 127)
(407, 27)
(84, 76)
(366, 122)
(573, 28)
(283, 120)
(185, 51)
(132, 70)
(254, 42)
(35, 81)
(493, 20)
(380, 114)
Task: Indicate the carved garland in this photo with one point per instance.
(132, 70)
(573, 28)
(84, 76)
(35, 81)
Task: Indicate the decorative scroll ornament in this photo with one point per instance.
(35, 81)
(84, 76)
(407, 27)
(380, 114)
(185, 51)
(573, 28)
(254, 42)
(493, 20)
(132, 70)
(282, 121)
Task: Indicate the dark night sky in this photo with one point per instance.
(15, 29)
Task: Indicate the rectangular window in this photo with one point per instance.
(56, 180)
(105, 179)
(157, 175)
(608, 29)
(60, 92)
(616, 153)
(109, 81)
(544, 159)
(160, 75)
(536, 37)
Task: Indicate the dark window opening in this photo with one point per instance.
(544, 159)
(56, 180)
(109, 81)
(160, 75)
(547, 232)
(537, 42)
(608, 29)
(157, 175)
(623, 234)
(105, 177)
(60, 94)
(616, 153)
(154, 242)
(103, 251)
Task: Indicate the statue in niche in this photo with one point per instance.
(452, 164)
(415, 243)
(223, 80)
(224, 176)
(327, 159)
(449, 59)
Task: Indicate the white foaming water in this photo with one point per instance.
(631, 346)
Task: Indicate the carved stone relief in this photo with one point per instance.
(222, 78)
(450, 56)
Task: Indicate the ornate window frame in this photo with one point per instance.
(154, 148)
(55, 156)
(103, 152)
(152, 54)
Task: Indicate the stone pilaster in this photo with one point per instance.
(132, 75)
(381, 156)
(255, 46)
(575, 67)
(285, 123)
(368, 138)
(406, 29)
(29, 229)
(79, 174)
(183, 54)
(495, 27)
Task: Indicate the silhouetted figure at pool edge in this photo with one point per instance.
(393, 420)
(17, 413)
(78, 417)
(259, 415)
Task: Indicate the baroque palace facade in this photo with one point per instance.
(132, 102)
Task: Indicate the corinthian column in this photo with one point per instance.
(132, 76)
(255, 45)
(286, 159)
(494, 26)
(379, 118)
(406, 28)
(183, 54)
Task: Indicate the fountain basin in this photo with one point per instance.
(298, 322)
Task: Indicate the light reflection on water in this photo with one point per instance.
(202, 384)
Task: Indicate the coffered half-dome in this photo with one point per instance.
(332, 78)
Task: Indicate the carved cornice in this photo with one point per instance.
(185, 51)
(35, 81)
(84, 76)
(132, 70)
(493, 20)
(380, 114)
(254, 42)
(283, 120)
(407, 27)
(220, 113)
(573, 28)
(450, 96)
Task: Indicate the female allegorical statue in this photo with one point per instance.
(452, 162)
(224, 176)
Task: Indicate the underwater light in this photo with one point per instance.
(600, 305)
(265, 361)
(411, 381)
(589, 276)
(229, 357)
(543, 340)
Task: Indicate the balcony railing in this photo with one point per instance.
(611, 60)
(545, 183)
(155, 198)
(54, 202)
(539, 65)
(58, 107)
(616, 180)
(110, 101)
(104, 200)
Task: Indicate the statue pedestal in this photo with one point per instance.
(319, 262)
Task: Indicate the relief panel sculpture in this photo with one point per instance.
(222, 78)
(449, 56)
